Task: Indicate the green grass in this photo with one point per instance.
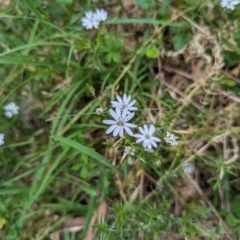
(58, 168)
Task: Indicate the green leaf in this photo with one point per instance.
(152, 52)
(228, 82)
(232, 220)
(113, 57)
(145, 4)
(180, 40)
(88, 151)
(192, 2)
(142, 21)
(231, 46)
(65, 2)
(84, 172)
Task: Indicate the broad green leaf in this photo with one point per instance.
(152, 52)
(232, 220)
(180, 40)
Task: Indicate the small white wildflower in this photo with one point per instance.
(229, 4)
(100, 15)
(90, 21)
(120, 122)
(171, 138)
(146, 137)
(188, 167)
(99, 111)
(124, 102)
(129, 150)
(10, 109)
(158, 163)
(1, 139)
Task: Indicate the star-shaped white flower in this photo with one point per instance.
(100, 15)
(124, 103)
(230, 4)
(120, 122)
(90, 21)
(1, 139)
(129, 150)
(171, 138)
(99, 111)
(146, 136)
(10, 109)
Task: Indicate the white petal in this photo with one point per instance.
(132, 103)
(146, 142)
(89, 14)
(132, 108)
(156, 139)
(138, 135)
(129, 116)
(116, 131)
(121, 131)
(119, 99)
(111, 128)
(118, 112)
(140, 140)
(130, 125)
(151, 130)
(128, 130)
(110, 122)
(142, 131)
(128, 99)
(113, 114)
(149, 146)
(125, 97)
(153, 143)
(146, 129)
(124, 113)
(114, 103)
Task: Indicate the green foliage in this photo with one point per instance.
(111, 49)
(192, 2)
(180, 40)
(57, 159)
(65, 2)
(152, 52)
(228, 82)
(145, 4)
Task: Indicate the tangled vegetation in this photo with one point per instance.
(163, 163)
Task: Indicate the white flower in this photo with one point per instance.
(129, 150)
(146, 137)
(124, 102)
(230, 4)
(120, 122)
(99, 111)
(10, 109)
(158, 163)
(171, 138)
(1, 139)
(90, 21)
(188, 167)
(100, 15)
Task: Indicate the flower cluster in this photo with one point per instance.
(92, 19)
(124, 111)
(9, 109)
(229, 4)
(171, 138)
